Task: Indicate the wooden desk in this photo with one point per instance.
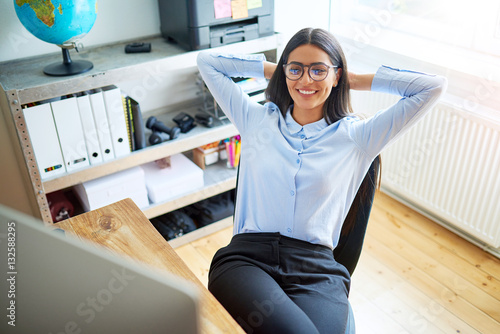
(125, 230)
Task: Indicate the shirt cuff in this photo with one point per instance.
(249, 65)
(391, 80)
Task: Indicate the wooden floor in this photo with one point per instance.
(413, 276)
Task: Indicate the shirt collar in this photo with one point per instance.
(310, 129)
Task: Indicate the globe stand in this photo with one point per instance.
(67, 67)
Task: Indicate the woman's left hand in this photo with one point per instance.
(269, 69)
(360, 81)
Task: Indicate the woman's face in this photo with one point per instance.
(308, 95)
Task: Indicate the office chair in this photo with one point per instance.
(353, 231)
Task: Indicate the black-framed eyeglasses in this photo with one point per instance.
(317, 71)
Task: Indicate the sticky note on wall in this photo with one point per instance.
(252, 4)
(222, 8)
(239, 9)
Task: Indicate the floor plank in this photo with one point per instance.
(414, 276)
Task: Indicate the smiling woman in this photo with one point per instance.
(294, 196)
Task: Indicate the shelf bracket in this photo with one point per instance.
(29, 155)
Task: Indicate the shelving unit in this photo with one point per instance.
(23, 82)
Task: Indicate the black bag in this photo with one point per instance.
(173, 224)
(212, 209)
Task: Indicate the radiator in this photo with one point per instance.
(447, 166)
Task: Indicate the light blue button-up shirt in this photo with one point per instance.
(299, 180)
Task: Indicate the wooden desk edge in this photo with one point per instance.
(123, 229)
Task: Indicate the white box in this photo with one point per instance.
(112, 188)
(183, 176)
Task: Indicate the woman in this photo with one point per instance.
(303, 158)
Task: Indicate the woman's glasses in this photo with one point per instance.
(317, 71)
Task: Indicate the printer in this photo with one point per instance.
(198, 24)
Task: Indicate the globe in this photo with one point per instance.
(60, 22)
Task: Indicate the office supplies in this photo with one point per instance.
(206, 155)
(89, 129)
(129, 121)
(232, 148)
(63, 284)
(204, 119)
(102, 125)
(201, 24)
(183, 176)
(116, 118)
(138, 125)
(129, 183)
(43, 133)
(184, 121)
(70, 133)
(138, 47)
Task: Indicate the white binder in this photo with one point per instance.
(44, 140)
(89, 129)
(117, 121)
(102, 125)
(70, 132)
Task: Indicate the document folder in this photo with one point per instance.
(102, 125)
(117, 121)
(89, 129)
(70, 132)
(44, 140)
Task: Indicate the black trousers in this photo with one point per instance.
(270, 283)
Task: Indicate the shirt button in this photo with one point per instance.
(289, 230)
(292, 193)
(298, 161)
(302, 136)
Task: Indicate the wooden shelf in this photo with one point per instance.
(185, 142)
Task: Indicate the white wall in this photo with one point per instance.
(292, 15)
(119, 20)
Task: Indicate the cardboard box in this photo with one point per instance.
(205, 157)
(108, 189)
(163, 184)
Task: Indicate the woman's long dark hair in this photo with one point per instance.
(336, 107)
(338, 104)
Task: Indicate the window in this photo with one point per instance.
(472, 26)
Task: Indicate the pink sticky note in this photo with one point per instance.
(222, 8)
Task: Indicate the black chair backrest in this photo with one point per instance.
(353, 230)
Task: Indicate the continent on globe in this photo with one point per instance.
(44, 9)
(59, 22)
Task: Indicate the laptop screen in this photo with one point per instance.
(55, 283)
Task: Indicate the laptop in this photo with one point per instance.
(54, 283)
